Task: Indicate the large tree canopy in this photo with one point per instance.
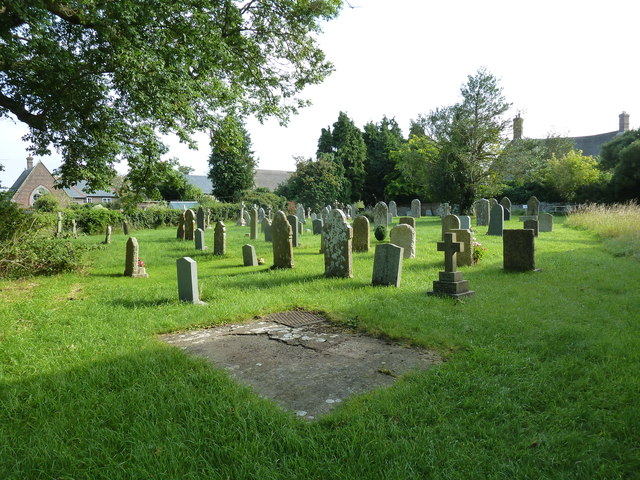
(101, 79)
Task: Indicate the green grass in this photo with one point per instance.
(541, 378)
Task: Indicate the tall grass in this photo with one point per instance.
(618, 225)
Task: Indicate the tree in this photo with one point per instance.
(416, 166)
(99, 80)
(621, 156)
(175, 185)
(231, 163)
(567, 174)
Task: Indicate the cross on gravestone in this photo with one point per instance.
(450, 248)
(134, 267)
(187, 269)
(249, 257)
(450, 282)
(220, 238)
(387, 265)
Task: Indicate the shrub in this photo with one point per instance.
(93, 219)
(47, 203)
(380, 232)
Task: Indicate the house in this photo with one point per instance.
(34, 182)
(79, 194)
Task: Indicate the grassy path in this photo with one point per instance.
(541, 378)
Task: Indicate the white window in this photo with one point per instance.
(89, 200)
(37, 193)
(106, 200)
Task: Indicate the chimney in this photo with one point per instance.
(29, 162)
(517, 127)
(624, 122)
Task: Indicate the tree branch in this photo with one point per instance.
(34, 121)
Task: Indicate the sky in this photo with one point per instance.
(568, 67)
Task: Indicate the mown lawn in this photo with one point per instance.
(541, 378)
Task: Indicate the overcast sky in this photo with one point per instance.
(568, 67)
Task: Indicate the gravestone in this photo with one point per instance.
(241, 221)
(506, 204)
(465, 222)
(74, 227)
(266, 229)
(393, 208)
(533, 225)
(416, 208)
(189, 224)
(220, 238)
(281, 233)
(545, 222)
(253, 232)
(496, 220)
(207, 218)
(249, 256)
(59, 225)
(324, 214)
(199, 237)
(492, 203)
(317, 226)
(465, 256)
(260, 214)
(450, 282)
(404, 236)
(533, 206)
(518, 250)
(107, 236)
(407, 221)
(125, 228)
(380, 214)
(387, 265)
(134, 267)
(300, 213)
(188, 280)
(181, 223)
(338, 237)
(313, 216)
(361, 240)
(389, 219)
(444, 209)
(482, 212)
(200, 218)
(247, 218)
(450, 222)
(295, 230)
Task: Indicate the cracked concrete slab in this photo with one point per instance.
(308, 369)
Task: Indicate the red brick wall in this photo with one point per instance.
(37, 177)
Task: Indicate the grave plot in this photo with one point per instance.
(302, 361)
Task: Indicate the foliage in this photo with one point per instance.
(12, 217)
(175, 186)
(92, 219)
(380, 232)
(622, 157)
(347, 145)
(99, 80)
(567, 174)
(418, 161)
(231, 163)
(263, 197)
(315, 183)
(153, 217)
(47, 203)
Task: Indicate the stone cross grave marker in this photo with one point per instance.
(295, 232)
(496, 220)
(465, 256)
(338, 236)
(199, 238)
(545, 222)
(518, 250)
(249, 256)
(482, 212)
(200, 218)
(187, 269)
(281, 233)
(416, 208)
(220, 238)
(387, 265)
(380, 214)
(450, 282)
(253, 232)
(189, 224)
(450, 222)
(361, 239)
(404, 235)
(133, 266)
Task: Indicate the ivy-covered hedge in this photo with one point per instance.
(92, 219)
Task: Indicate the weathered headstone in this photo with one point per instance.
(74, 227)
(506, 204)
(241, 221)
(260, 214)
(444, 210)
(220, 238)
(387, 265)
(207, 218)
(317, 226)
(189, 224)
(380, 214)
(199, 238)
(408, 221)
(295, 231)
(253, 232)
(404, 236)
(325, 213)
(125, 228)
(247, 218)
(281, 233)
(313, 216)
(188, 280)
(465, 256)
(450, 282)
(533, 206)
(181, 227)
(200, 218)
(338, 236)
(300, 213)
(518, 250)
(482, 212)
(533, 225)
(134, 266)
(107, 236)
(416, 208)
(496, 220)
(266, 229)
(249, 256)
(492, 203)
(59, 225)
(450, 222)
(361, 240)
(465, 222)
(545, 222)
(393, 208)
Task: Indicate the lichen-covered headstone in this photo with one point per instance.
(361, 240)
(125, 228)
(189, 224)
(532, 225)
(295, 231)
(107, 236)
(545, 222)
(465, 256)
(449, 222)
(496, 220)
(450, 282)
(181, 224)
(247, 218)
(518, 250)
(444, 210)
(393, 208)
(199, 238)
(387, 265)
(404, 236)
(249, 257)
(533, 206)
(200, 218)
(465, 222)
(338, 237)
(416, 208)
(380, 214)
(281, 233)
(220, 238)
(187, 269)
(506, 204)
(408, 221)
(266, 229)
(317, 226)
(300, 213)
(134, 266)
(482, 212)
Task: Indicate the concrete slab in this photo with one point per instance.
(308, 369)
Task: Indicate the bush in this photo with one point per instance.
(47, 203)
(262, 197)
(153, 217)
(380, 232)
(92, 219)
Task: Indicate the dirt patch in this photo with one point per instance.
(301, 361)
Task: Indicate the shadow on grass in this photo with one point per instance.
(143, 303)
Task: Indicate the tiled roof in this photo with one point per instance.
(23, 176)
(262, 178)
(78, 191)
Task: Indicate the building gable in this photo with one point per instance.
(32, 183)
